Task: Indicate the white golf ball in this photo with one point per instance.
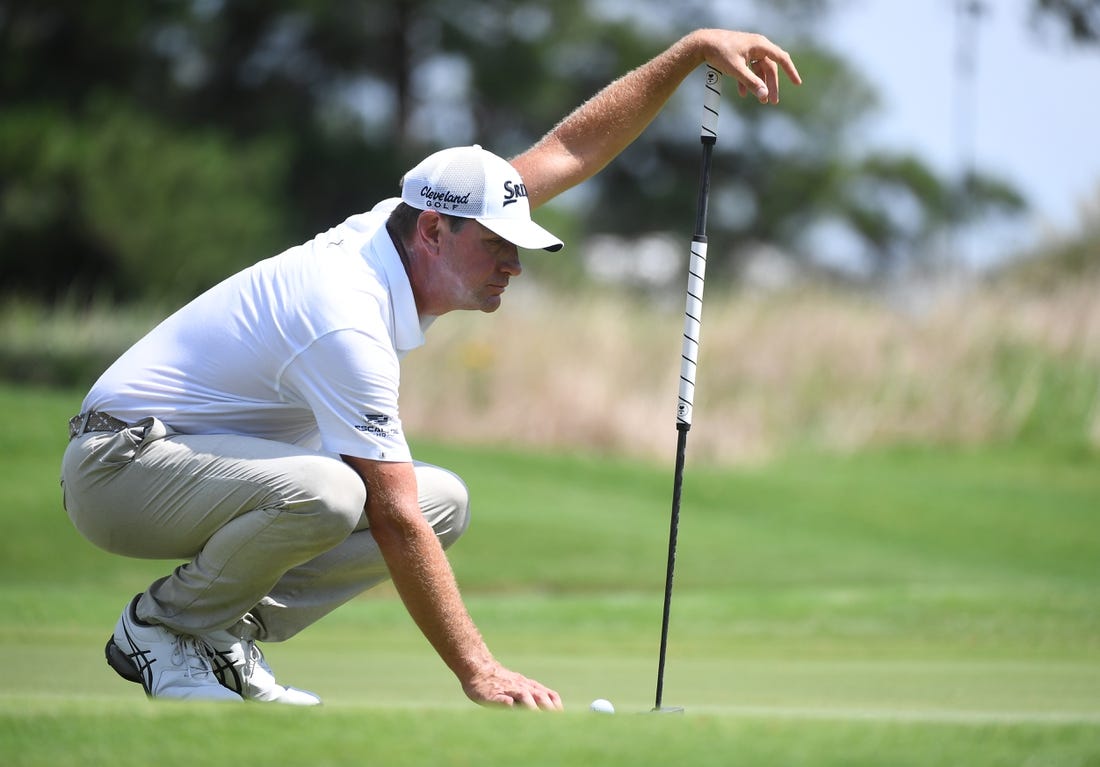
(601, 706)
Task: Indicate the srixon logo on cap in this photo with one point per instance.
(513, 191)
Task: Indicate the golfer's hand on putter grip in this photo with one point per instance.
(496, 685)
(751, 59)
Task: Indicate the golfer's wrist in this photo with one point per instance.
(473, 663)
(700, 46)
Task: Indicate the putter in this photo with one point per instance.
(693, 314)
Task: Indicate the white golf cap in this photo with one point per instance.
(470, 182)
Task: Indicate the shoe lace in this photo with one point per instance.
(252, 657)
(190, 654)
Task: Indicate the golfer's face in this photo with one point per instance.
(480, 264)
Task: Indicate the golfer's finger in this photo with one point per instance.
(767, 71)
(781, 57)
(548, 700)
(771, 79)
(748, 81)
(525, 699)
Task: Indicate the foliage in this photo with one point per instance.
(69, 344)
(164, 211)
(1067, 258)
(1079, 19)
(152, 148)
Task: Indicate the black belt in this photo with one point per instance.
(94, 421)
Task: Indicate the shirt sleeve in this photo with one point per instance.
(350, 379)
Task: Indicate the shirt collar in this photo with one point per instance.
(407, 327)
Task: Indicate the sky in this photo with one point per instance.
(1029, 114)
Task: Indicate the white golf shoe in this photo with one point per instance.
(166, 664)
(240, 666)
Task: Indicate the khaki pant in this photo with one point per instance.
(275, 535)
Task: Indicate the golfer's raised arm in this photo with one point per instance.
(597, 131)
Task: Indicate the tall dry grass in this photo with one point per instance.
(807, 370)
(599, 372)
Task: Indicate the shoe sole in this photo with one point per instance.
(122, 665)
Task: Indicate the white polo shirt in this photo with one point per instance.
(302, 348)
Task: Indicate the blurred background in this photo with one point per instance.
(905, 249)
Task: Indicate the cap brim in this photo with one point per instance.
(524, 234)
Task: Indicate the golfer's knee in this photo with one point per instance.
(445, 502)
(335, 500)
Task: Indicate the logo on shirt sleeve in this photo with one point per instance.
(379, 425)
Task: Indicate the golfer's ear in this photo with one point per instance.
(428, 228)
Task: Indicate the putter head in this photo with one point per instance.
(667, 710)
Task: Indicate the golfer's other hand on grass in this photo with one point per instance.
(497, 686)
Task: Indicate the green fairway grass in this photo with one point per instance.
(904, 607)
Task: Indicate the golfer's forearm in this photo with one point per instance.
(597, 131)
(426, 584)
(419, 567)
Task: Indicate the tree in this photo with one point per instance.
(151, 148)
(1080, 19)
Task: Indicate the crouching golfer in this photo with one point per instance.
(255, 433)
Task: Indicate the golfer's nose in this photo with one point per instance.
(511, 265)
